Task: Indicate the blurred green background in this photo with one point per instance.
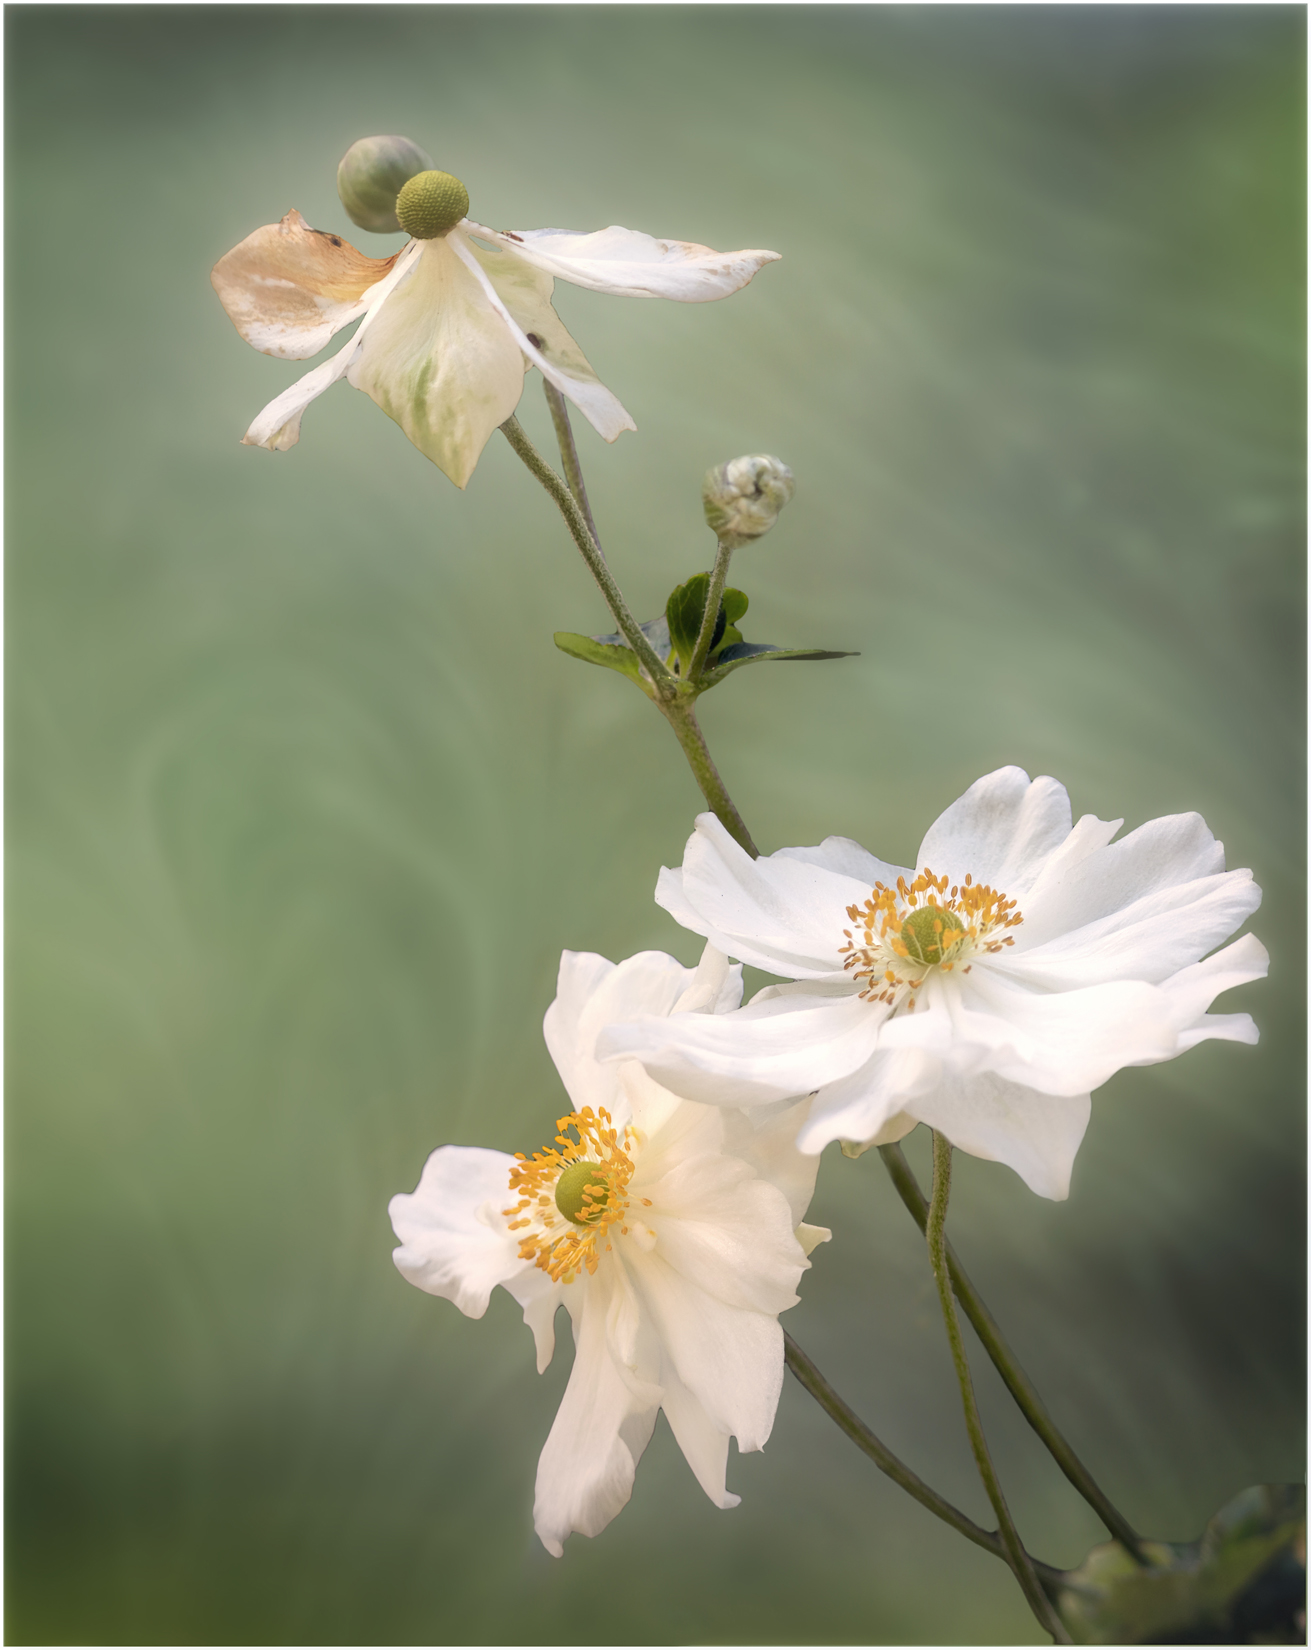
(304, 804)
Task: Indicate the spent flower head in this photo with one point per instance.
(449, 325)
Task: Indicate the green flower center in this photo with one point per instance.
(431, 204)
(929, 933)
(582, 1192)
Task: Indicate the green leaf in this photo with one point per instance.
(685, 610)
(593, 652)
(730, 658)
(1243, 1582)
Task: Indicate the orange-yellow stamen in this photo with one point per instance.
(571, 1194)
(907, 931)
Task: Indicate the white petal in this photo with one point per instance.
(1151, 939)
(1035, 1134)
(731, 1360)
(860, 1107)
(724, 1232)
(810, 1237)
(1000, 832)
(849, 859)
(1193, 990)
(541, 1299)
(523, 295)
(591, 994)
(288, 288)
(781, 913)
(629, 263)
(277, 427)
(704, 1447)
(452, 1242)
(585, 1474)
(772, 1050)
(442, 361)
(766, 1138)
(716, 988)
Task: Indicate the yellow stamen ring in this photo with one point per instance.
(572, 1194)
(906, 931)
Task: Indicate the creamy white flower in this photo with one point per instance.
(986, 992)
(671, 1231)
(449, 326)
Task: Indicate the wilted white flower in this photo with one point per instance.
(743, 497)
(985, 992)
(671, 1231)
(449, 325)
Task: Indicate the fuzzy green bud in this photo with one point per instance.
(571, 1192)
(372, 173)
(743, 497)
(431, 204)
(930, 932)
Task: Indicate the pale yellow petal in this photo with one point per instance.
(287, 288)
(441, 360)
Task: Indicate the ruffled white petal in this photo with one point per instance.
(862, 1106)
(630, 264)
(605, 1420)
(782, 913)
(522, 295)
(1001, 831)
(777, 1049)
(1035, 1134)
(704, 1446)
(453, 1242)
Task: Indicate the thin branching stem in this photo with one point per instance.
(1008, 1365)
(576, 522)
(573, 470)
(710, 618)
(1019, 1560)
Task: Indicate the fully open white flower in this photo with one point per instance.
(671, 1231)
(449, 325)
(985, 992)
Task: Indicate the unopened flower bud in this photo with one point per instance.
(743, 497)
(431, 204)
(372, 173)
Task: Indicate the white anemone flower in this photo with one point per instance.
(672, 1232)
(449, 325)
(986, 992)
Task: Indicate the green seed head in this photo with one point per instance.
(372, 173)
(431, 204)
(570, 1195)
(930, 931)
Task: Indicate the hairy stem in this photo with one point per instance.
(1019, 1560)
(573, 470)
(709, 619)
(681, 716)
(568, 506)
(1008, 1365)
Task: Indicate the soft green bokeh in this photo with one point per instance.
(304, 803)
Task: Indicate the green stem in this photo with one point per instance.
(573, 470)
(897, 1470)
(681, 716)
(709, 619)
(935, 1232)
(654, 665)
(1008, 1366)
